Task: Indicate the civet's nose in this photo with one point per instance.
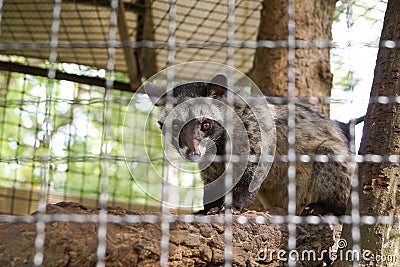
(193, 155)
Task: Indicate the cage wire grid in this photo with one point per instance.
(96, 103)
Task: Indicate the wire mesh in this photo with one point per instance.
(62, 141)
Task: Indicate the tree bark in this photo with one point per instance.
(380, 182)
(313, 22)
(129, 244)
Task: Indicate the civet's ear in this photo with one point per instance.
(218, 86)
(156, 93)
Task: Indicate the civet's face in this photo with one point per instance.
(191, 121)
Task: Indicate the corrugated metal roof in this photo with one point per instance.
(201, 31)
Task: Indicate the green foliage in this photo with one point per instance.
(74, 115)
(351, 17)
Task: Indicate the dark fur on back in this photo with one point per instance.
(321, 187)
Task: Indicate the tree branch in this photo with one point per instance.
(138, 244)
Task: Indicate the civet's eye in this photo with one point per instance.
(205, 126)
(176, 126)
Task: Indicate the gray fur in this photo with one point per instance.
(321, 187)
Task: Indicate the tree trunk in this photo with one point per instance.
(380, 182)
(138, 244)
(313, 22)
